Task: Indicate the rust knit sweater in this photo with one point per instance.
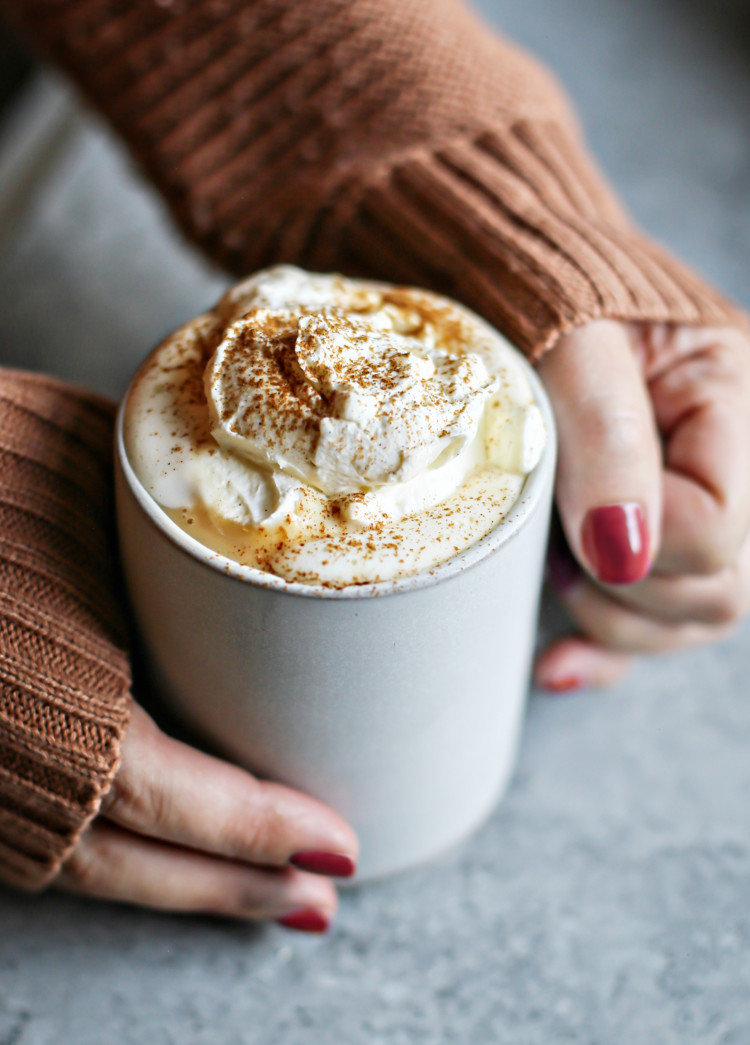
(390, 138)
(64, 674)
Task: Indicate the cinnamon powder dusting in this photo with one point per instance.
(299, 410)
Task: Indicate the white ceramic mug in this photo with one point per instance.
(397, 703)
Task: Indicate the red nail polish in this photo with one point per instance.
(307, 920)
(615, 542)
(335, 864)
(563, 572)
(565, 685)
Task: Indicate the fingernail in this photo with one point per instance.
(615, 542)
(565, 685)
(335, 864)
(563, 572)
(308, 920)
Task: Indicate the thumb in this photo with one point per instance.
(609, 471)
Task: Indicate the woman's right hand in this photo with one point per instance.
(183, 831)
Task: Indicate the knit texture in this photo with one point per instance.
(391, 138)
(388, 138)
(64, 675)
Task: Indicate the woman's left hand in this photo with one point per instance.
(653, 492)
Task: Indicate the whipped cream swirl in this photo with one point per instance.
(340, 403)
(332, 408)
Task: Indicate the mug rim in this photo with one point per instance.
(524, 508)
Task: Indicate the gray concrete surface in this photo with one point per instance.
(608, 899)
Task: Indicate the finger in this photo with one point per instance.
(574, 663)
(607, 622)
(168, 790)
(114, 864)
(718, 598)
(609, 472)
(700, 386)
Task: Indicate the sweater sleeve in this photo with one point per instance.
(391, 138)
(64, 675)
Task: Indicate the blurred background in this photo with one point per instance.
(606, 901)
(92, 274)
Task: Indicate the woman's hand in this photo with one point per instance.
(653, 492)
(182, 831)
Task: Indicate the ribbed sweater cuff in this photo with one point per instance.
(396, 138)
(64, 675)
(518, 224)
